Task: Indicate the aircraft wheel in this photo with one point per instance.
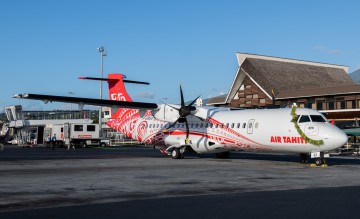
(319, 161)
(175, 154)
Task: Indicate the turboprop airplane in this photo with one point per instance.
(176, 129)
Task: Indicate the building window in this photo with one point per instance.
(106, 113)
(340, 105)
(255, 96)
(249, 96)
(319, 106)
(247, 86)
(331, 105)
(262, 101)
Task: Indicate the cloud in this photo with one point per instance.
(145, 95)
(327, 50)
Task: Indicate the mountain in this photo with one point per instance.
(355, 76)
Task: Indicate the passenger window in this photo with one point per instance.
(227, 125)
(232, 125)
(238, 125)
(304, 118)
(201, 125)
(256, 125)
(197, 125)
(244, 125)
(216, 125)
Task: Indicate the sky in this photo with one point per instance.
(47, 45)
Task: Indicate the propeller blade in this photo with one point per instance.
(193, 101)
(182, 97)
(172, 107)
(172, 125)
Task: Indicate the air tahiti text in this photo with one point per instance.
(287, 140)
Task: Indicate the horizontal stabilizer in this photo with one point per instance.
(113, 80)
(88, 101)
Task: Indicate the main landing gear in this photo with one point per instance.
(318, 156)
(178, 153)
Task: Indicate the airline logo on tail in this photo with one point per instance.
(118, 96)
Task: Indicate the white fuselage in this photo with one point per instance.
(224, 130)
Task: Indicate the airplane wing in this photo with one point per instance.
(88, 101)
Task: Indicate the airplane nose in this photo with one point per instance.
(339, 138)
(343, 138)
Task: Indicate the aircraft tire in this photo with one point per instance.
(319, 161)
(175, 154)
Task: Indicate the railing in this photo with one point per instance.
(119, 142)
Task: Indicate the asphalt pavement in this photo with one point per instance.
(139, 182)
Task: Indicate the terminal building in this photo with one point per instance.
(267, 82)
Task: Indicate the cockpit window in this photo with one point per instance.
(317, 118)
(304, 118)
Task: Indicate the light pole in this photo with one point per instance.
(102, 52)
(71, 93)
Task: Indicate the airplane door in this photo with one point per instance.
(250, 126)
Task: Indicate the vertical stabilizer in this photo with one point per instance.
(117, 89)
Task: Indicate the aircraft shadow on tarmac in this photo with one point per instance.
(332, 161)
(42, 153)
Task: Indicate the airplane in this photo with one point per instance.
(177, 128)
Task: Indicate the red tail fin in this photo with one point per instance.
(117, 89)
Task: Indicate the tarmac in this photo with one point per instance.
(139, 182)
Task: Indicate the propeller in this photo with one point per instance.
(184, 111)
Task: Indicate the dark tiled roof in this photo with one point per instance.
(355, 88)
(287, 76)
(215, 100)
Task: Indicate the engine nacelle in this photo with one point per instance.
(167, 113)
